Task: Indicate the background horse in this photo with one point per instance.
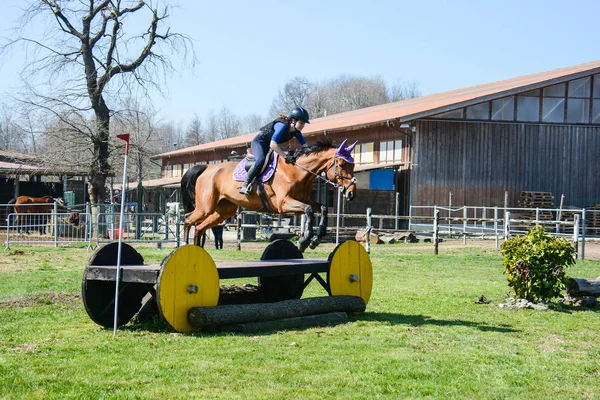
(212, 193)
(39, 209)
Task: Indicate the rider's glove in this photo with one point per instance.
(290, 159)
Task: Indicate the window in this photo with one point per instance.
(503, 109)
(578, 111)
(596, 112)
(363, 153)
(555, 90)
(390, 151)
(528, 108)
(479, 111)
(454, 114)
(580, 87)
(597, 86)
(553, 109)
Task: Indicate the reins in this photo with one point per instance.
(335, 174)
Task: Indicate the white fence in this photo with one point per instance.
(485, 222)
(62, 227)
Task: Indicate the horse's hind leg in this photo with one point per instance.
(224, 210)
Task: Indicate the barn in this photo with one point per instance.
(24, 174)
(478, 146)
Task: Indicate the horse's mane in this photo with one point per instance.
(322, 144)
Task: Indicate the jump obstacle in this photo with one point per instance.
(186, 285)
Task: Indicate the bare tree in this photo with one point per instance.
(294, 94)
(403, 90)
(11, 135)
(171, 137)
(346, 93)
(88, 57)
(253, 122)
(223, 125)
(194, 134)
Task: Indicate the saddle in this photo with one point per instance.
(241, 170)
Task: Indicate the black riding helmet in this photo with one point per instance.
(299, 113)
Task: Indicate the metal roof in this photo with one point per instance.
(420, 107)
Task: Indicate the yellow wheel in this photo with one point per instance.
(350, 271)
(188, 278)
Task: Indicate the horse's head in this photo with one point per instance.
(342, 172)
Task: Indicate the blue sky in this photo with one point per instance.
(247, 50)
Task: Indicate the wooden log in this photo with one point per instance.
(333, 318)
(583, 287)
(201, 317)
(388, 239)
(361, 236)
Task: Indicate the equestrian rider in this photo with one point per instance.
(270, 137)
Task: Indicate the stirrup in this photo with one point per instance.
(245, 189)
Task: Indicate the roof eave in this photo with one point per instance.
(499, 95)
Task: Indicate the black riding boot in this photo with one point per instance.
(247, 186)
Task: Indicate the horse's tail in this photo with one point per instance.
(12, 201)
(188, 186)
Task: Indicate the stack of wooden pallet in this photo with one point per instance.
(592, 219)
(567, 216)
(532, 200)
(536, 200)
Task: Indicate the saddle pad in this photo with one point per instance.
(239, 174)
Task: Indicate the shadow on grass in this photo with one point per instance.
(420, 320)
(160, 326)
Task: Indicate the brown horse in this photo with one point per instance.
(40, 207)
(216, 195)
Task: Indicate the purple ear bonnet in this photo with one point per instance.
(345, 153)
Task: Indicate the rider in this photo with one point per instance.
(270, 137)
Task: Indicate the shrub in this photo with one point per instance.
(535, 263)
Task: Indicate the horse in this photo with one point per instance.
(40, 207)
(215, 192)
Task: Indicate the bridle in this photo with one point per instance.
(336, 167)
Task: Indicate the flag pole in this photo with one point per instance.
(124, 137)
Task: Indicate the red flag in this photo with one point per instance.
(125, 137)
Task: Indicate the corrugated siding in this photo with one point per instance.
(478, 162)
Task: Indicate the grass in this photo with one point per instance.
(422, 336)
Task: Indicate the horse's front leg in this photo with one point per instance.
(304, 241)
(321, 230)
(293, 206)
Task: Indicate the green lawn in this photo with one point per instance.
(422, 336)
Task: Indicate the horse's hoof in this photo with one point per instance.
(315, 242)
(303, 246)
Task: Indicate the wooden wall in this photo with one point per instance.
(479, 161)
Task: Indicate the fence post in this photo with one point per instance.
(96, 225)
(55, 223)
(436, 226)
(337, 231)
(583, 227)
(576, 235)
(177, 226)
(369, 227)
(7, 244)
(507, 225)
(397, 206)
(239, 219)
(89, 225)
(465, 215)
(496, 224)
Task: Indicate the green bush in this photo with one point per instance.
(535, 263)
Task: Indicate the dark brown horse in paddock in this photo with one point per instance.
(37, 207)
(210, 193)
